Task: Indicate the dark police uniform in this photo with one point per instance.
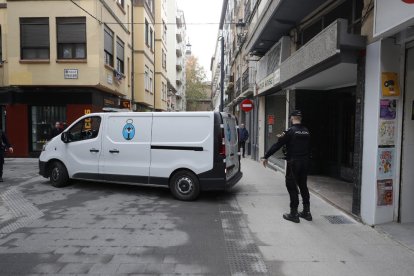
(297, 142)
(4, 144)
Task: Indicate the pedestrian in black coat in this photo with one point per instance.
(5, 145)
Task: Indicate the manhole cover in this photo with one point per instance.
(338, 220)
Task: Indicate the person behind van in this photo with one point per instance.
(4, 146)
(297, 141)
(244, 136)
(56, 130)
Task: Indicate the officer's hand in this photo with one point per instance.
(11, 150)
(264, 161)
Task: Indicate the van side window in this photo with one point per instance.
(85, 129)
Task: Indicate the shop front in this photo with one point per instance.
(30, 114)
(388, 186)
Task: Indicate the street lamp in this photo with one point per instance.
(240, 31)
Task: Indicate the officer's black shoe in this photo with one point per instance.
(292, 216)
(306, 215)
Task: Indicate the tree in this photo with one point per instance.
(195, 78)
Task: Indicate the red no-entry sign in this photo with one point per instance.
(246, 105)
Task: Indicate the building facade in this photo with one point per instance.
(387, 174)
(59, 63)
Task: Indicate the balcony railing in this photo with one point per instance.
(237, 88)
(247, 79)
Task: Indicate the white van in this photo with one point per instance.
(188, 152)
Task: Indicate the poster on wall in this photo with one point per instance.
(390, 86)
(388, 109)
(384, 192)
(386, 132)
(385, 163)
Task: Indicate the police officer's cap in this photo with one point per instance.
(296, 113)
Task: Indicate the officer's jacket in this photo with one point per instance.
(4, 142)
(297, 141)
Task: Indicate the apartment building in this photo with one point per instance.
(180, 61)
(307, 55)
(60, 60)
(144, 55)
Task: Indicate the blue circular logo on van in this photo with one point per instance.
(129, 130)
(228, 133)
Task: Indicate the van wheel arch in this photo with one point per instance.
(184, 184)
(57, 173)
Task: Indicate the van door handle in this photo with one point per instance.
(94, 150)
(114, 151)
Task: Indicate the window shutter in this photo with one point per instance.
(34, 32)
(71, 30)
(109, 41)
(120, 50)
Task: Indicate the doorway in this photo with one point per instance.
(406, 213)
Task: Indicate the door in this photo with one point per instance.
(407, 174)
(84, 148)
(126, 148)
(232, 145)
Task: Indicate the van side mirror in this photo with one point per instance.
(64, 137)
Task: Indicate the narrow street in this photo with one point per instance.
(108, 229)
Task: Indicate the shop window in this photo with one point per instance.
(120, 56)
(109, 46)
(43, 121)
(34, 38)
(71, 37)
(85, 129)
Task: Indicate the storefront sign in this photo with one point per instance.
(70, 74)
(269, 82)
(110, 79)
(392, 17)
(246, 105)
(108, 102)
(390, 86)
(384, 192)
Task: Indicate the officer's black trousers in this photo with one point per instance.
(296, 176)
(1, 162)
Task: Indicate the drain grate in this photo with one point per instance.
(338, 220)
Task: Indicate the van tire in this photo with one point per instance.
(184, 185)
(58, 175)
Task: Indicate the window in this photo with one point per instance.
(85, 129)
(164, 34)
(147, 78)
(151, 81)
(150, 4)
(120, 2)
(43, 119)
(109, 46)
(120, 55)
(151, 38)
(146, 33)
(71, 37)
(34, 38)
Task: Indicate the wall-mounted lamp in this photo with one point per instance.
(240, 30)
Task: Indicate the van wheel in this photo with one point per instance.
(58, 175)
(184, 185)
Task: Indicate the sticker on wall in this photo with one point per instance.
(388, 109)
(385, 163)
(129, 130)
(390, 86)
(384, 192)
(386, 133)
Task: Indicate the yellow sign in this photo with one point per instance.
(390, 86)
(88, 121)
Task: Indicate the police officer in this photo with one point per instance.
(4, 145)
(297, 142)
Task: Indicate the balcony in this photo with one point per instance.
(327, 61)
(247, 81)
(237, 87)
(179, 67)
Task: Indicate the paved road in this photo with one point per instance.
(116, 229)
(104, 229)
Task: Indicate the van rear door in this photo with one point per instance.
(231, 140)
